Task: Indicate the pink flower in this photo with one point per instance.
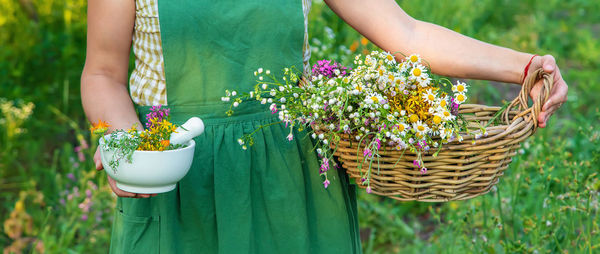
(369, 189)
(416, 163)
(324, 166)
(326, 183)
(290, 137)
(367, 153)
(158, 113)
(327, 69)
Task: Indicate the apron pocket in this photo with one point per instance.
(133, 234)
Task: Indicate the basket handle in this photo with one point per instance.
(523, 97)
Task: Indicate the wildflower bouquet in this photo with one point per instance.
(395, 127)
(156, 137)
(380, 102)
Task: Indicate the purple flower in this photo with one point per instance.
(423, 170)
(416, 163)
(84, 217)
(324, 166)
(453, 107)
(378, 143)
(329, 70)
(326, 183)
(158, 113)
(367, 152)
(88, 193)
(369, 189)
(71, 176)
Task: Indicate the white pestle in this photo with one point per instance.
(187, 131)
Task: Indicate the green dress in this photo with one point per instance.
(267, 199)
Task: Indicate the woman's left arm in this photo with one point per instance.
(449, 53)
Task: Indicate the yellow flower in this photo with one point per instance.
(100, 128)
(364, 41)
(437, 119)
(400, 127)
(413, 118)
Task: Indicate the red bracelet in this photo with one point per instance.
(526, 71)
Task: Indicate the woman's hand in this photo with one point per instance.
(558, 95)
(112, 183)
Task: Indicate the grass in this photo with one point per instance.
(52, 200)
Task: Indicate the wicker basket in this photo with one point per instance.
(460, 170)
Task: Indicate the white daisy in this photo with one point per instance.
(442, 101)
(389, 58)
(429, 96)
(414, 59)
(421, 128)
(460, 87)
(417, 73)
(460, 98)
(402, 128)
(446, 115)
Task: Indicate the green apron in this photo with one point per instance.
(267, 199)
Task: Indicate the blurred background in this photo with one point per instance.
(53, 201)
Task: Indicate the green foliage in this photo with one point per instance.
(547, 202)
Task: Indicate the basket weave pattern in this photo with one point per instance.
(461, 170)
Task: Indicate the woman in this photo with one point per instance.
(270, 198)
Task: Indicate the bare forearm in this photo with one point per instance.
(449, 53)
(104, 79)
(107, 100)
(453, 54)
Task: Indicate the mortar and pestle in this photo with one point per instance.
(152, 172)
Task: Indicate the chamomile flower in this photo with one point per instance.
(417, 73)
(425, 82)
(414, 59)
(401, 128)
(460, 87)
(421, 128)
(444, 133)
(389, 58)
(442, 101)
(446, 115)
(460, 98)
(430, 96)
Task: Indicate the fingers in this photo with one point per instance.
(558, 95)
(546, 113)
(548, 63)
(125, 194)
(98, 159)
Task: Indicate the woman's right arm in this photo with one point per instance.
(104, 83)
